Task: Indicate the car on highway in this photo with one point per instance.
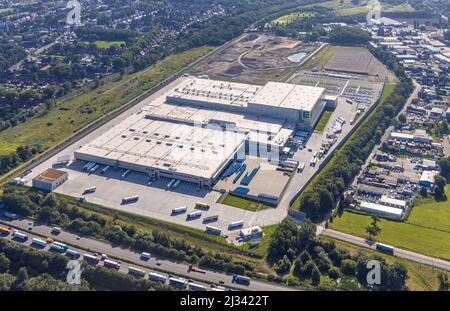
(221, 282)
(49, 240)
(104, 256)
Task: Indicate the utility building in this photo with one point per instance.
(50, 179)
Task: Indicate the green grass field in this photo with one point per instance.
(427, 230)
(320, 126)
(72, 113)
(432, 214)
(421, 277)
(321, 58)
(348, 9)
(260, 250)
(292, 17)
(235, 201)
(108, 44)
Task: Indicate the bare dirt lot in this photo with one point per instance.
(356, 60)
(257, 58)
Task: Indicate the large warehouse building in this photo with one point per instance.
(192, 132)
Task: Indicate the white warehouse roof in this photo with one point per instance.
(391, 201)
(381, 209)
(285, 95)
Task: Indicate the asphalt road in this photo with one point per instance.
(438, 263)
(129, 257)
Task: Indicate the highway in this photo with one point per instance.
(438, 263)
(129, 257)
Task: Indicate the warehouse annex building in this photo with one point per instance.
(194, 131)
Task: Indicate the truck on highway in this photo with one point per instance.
(240, 279)
(131, 199)
(145, 256)
(385, 248)
(91, 259)
(136, 272)
(62, 245)
(178, 282)
(179, 210)
(4, 231)
(195, 269)
(194, 215)
(57, 248)
(38, 242)
(72, 254)
(152, 276)
(197, 287)
(20, 236)
(112, 264)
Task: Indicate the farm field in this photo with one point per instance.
(74, 112)
(421, 277)
(426, 231)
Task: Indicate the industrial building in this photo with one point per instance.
(194, 131)
(381, 209)
(50, 179)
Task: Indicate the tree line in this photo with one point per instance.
(27, 269)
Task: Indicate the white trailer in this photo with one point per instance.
(213, 230)
(133, 198)
(195, 214)
(152, 276)
(89, 190)
(105, 169)
(179, 210)
(124, 175)
(39, 242)
(20, 236)
(236, 224)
